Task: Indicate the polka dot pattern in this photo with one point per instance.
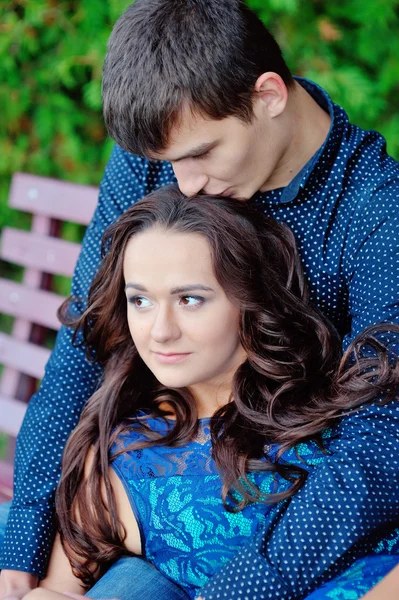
(343, 209)
(347, 509)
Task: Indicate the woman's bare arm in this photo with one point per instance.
(60, 577)
(387, 589)
(41, 594)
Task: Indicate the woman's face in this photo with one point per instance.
(181, 321)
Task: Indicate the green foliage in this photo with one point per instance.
(350, 48)
(50, 90)
(50, 77)
(3, 446)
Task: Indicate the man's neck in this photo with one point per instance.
(310, 127)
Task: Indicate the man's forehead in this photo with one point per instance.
(192, 134)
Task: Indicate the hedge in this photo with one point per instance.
(50, 77)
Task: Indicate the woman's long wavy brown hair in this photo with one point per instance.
(293, 385)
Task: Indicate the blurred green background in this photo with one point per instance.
(52, 51)
(50, 78)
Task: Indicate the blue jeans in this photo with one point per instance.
(135, 579)
(128, 579)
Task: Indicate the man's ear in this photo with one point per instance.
(271, 90)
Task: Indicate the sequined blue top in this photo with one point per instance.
(176, 498)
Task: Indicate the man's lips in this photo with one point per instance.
(171, 357)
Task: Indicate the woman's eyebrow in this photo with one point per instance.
(177, 290)
(136, 286)
(191, 288)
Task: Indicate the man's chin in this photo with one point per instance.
(238, 195)
(241, 197)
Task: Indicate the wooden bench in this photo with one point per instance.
(32, 303)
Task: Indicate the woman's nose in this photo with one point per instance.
(165, 327)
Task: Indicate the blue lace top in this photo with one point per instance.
(175, 494)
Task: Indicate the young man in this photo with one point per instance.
(197, 90)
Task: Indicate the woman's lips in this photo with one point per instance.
(171, 358)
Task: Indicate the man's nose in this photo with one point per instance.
(190, 182)
(165, 327)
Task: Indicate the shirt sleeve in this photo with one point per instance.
(69, 381)
(371, 261)
(348, 503)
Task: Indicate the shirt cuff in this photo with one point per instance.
(248, 576)
(28, 540)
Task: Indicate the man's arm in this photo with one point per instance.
(68, 383)
(355, 490)
(329, 522)
(371, 261)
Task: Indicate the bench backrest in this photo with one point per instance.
(31, 302)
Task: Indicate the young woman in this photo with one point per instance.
(223, 390)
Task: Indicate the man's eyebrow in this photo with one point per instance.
(178, 290)
(194, 152)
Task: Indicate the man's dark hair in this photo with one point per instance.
(163, 53)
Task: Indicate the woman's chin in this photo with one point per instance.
(173, 381)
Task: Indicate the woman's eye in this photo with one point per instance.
(139, 302)
(191, 301)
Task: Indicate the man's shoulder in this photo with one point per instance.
(367, 158)
(138, 170)
(127, 179)
(370, 174)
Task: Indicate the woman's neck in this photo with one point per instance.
(208, 399)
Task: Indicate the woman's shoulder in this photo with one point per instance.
(136, 432)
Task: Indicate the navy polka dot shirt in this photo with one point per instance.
(343, 209)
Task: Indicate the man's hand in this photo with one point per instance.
(15, 584)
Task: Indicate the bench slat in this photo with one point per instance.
(42, 254)
(6, 481)
(23, 356)
(51, 197)
(12, 413)
(37, 306)
(47, 254)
